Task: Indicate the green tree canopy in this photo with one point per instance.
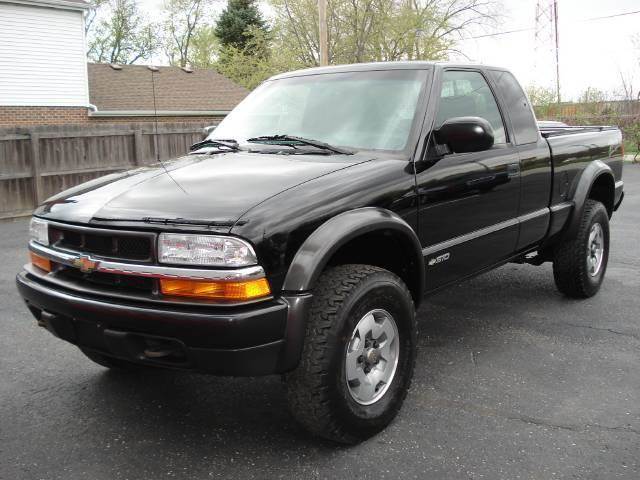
(205, 47)
(378, 30)
(236, 20)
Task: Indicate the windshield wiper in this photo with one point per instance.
(232, 145)
(290, 140)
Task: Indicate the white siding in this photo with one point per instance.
(42, 56)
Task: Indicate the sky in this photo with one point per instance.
(592, 53)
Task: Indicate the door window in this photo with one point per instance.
(466, 94)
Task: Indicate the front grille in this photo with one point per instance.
(109, 281)
(103, 243)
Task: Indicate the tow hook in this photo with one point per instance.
(45, 318)
(156, 348)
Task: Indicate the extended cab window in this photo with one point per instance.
(525, 129)
(466, 94)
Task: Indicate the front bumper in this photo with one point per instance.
(258, 339)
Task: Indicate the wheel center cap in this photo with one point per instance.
(372, 356)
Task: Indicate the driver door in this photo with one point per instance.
(468, 202)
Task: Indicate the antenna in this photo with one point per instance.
(155, 113)
(555, 24)
(154, 69)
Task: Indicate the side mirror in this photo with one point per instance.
(465, 134)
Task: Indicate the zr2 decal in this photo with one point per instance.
(439, 259)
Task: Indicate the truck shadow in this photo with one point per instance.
(247, 418)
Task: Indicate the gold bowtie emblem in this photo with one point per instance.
(85, 264)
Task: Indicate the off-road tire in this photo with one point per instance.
(112, 363)
(317, 390)
(570, 269)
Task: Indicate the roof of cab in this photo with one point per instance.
(373, 66)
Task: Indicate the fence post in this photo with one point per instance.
(38, 194)
(138, 146)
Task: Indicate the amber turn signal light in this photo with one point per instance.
(40, 262)
(222, 291)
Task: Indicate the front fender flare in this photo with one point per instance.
(314, 254)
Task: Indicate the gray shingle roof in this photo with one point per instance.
(131, 88)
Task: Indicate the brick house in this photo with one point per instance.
(43, 74)
(45, 78)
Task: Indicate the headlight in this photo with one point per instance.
(211, 250)
(39, 231)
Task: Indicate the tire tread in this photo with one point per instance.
(308, 384)
(569, 268)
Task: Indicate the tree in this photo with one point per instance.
(542, 99)
(240, 17)
(205, 48)
(92, 13)
(258, 60)
(122, 36)
(183, 20)
(592, 95)
(378, 30)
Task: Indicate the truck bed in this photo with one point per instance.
(573, 129)
(569, 157)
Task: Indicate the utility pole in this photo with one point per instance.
(555, 22)
(324, 42)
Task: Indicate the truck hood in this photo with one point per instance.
(213, 190)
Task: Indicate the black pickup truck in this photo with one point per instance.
(302, 234)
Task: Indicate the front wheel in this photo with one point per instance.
(358, 356)
(579, 264)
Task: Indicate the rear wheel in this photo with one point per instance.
(358, 357)
(579, 264)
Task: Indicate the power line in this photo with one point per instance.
(531, 28)
(611, 16)
(499, 33)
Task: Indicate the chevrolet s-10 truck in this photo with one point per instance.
(301, 235)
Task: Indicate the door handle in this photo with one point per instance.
(513, 170)
(477, 182)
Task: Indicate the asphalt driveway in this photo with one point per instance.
(512, 381)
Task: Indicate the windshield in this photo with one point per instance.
(369, 110)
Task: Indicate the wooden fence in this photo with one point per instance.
(614, 108)
(38, 162)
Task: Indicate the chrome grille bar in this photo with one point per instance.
(146, 270)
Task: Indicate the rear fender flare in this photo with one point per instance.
(580, 193)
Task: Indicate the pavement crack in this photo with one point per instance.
(609, 330)
(543, 423)
(624, 428)
(573, 428)
(538, 422)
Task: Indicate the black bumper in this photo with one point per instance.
(259, 339)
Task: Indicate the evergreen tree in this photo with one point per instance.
(236, 20)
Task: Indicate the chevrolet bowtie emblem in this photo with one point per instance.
(85, 264)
